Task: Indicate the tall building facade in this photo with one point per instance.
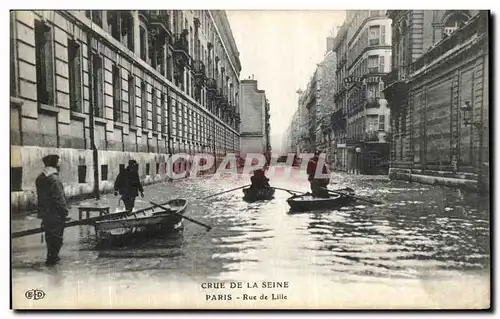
(255, 119)
(438, 95)
(102, 87)
(325, 104)
(339, 114)
(367, 61)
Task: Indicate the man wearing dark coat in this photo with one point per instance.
(318, 185)
(52, 207)
(129, 185)
(259, 179)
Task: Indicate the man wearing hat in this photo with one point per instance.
(52, 207)
(129, 185)
(318, 185)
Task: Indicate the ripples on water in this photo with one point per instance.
(420, 231)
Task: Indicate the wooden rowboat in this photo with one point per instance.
(145, 225)
(306, 202)
(253, 195)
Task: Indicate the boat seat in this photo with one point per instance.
(87, 210)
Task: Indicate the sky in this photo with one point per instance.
(281, 50)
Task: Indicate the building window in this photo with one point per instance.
(373, 63)
(121, 167)
(104, 172)
(143, 41)
(75, 75)
(381, 123)
(144, 106)
(131, 100)
(95, 16)
(374, 35)
(454, 22)
(163, 115)
(82, 174)
(154, 109)
(382, 64)
(97, 89)
(157, 168)
(117, 90)
(45, 64)
(16, 179)
(147, 169)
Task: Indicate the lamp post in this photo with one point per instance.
(467, 111)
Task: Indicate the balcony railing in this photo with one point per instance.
(398, 74)
(160, 18)
(477, 25)
(370, 136)
(372, 102)
(181, 48)
(199, 68)
(211, 85)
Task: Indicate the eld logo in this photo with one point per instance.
(35, 294)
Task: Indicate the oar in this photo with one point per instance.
(355, 197)
(225, 192)
(288, 190)
(180, 215)
(87, 221)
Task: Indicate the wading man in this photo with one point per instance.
(129, 185)
(52, 207)
(318, 185)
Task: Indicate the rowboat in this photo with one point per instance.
(253, 195)
(144, 225)
(306, 202)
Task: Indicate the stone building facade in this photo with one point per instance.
(438, 95)
(102, 87)
(255, 116)
(339, 115)
(326, 92)
(367, 62)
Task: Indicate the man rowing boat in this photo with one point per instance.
(318, 185)
(259, 180)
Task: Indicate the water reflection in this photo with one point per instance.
(420, 230)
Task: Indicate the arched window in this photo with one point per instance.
(453, 21)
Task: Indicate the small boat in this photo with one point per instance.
(306, 202)
(253, 195)
(145, 224)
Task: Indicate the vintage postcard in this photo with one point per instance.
(250, 159)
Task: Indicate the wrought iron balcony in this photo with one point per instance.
(372, 102)
(199, 69)
(181, 49)
(161, 19)
(398, 74)
(370, 136)
(211, 85)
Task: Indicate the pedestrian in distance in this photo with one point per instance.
(128, 185)
(52, 207)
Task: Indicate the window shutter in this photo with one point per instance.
(381, 64)
(382, 35)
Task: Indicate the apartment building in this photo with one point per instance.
(102, 87)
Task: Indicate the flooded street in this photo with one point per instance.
(421, 233)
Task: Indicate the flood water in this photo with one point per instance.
(421, 232)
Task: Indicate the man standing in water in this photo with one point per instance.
(52, 207)
(129, 185)
(318, 185)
